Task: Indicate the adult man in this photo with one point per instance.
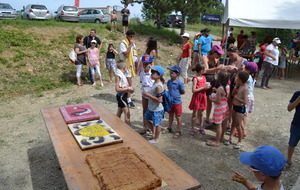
(204, 46)
(295, 45)
(125, 18)
(87, 43)
(253, 42)
(240, 40)
(270, 62)
(127, 48)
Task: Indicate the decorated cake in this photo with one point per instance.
(93, 134)
(78, 113)
(122, 169)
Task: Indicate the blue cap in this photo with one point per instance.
(147, 59)
(175, 68)
(267, 159)
(159, 69)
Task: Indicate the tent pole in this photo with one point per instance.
(225, 44)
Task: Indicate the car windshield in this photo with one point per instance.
(41, 7)
(70, 8)
(5, 6)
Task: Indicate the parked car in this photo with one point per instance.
(94, 15)
(67, 13)
(7, 12)
(38, 12)
(171, 21)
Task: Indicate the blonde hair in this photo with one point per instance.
(121, 65)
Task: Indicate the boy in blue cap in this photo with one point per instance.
(266, 163)
(176, 89)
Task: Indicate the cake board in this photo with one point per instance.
(78, 113)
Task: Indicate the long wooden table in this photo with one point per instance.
(73, 160)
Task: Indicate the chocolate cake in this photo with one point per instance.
(123, 169)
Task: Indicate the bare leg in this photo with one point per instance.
(126, 115)
(179, 123)
(157, 130)
(171, 118)
(224, 125)
(150, 125)
(193, 120)
(290, 154)
(119, 112)
(145, 106)
(239, 119)
(208, 109)
(233, 125)
(200, 118)
(101, 82)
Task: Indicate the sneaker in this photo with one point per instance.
(131, 105)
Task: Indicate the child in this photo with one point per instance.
(295, 127)
(93, 57)
(258, 59)
(110, 60)
(146, 84)
(176, 89)
(221, 107)
(266, 163)
(122, 88)
(282, 63)
(198, 101)
(155, 110)
(113, 19)
(240, 98)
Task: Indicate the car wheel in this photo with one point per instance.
(97, 21)
(28, 17)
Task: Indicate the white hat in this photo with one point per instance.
(277, 40)
(94, 41)
(186, 35)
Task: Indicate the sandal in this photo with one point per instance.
(287, 165)
(176, 135)
(202, 131)
(170, 130)
(192, 132)
(227, 142)
(238, 146)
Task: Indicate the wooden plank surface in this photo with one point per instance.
(73, 160)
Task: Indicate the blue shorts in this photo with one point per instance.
(294, 136)
(154, 116)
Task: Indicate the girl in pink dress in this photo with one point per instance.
(93, 57)
(198, 101)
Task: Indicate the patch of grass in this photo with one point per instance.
(2, 143)
(74, 101)
(3, 61)
(6, 115)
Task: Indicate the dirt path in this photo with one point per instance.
(28, 160)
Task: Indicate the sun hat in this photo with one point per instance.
(93, 42)
(232, 49)
(185, 35)
(217, 48)
(147, 59)
(251, 66)
(175, 68)
(159, 69)
(277, 40)
(267, 159)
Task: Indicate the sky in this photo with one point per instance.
(52, 5)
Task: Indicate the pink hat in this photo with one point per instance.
(263, 47)
(218, 49)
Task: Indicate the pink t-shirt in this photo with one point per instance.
(94, 56)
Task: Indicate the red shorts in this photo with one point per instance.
(177, 109)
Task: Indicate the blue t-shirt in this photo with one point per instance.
(175, 87)
(195, 48)
(296, 119)
(206, 44)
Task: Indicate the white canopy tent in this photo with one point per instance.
(262, 13)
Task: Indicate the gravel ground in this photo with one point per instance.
(28, 160)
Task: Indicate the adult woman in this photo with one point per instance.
(245, 48)
(211, 68)
(185, 57)
(81, 51)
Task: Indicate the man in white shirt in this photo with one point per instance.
(270, 62)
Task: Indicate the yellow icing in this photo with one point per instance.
(93, 131)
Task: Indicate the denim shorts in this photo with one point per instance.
(154, 116)
(294, 136)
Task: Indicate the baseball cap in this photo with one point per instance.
(93, 41)
(185, 35)
(263, 47)
(251, 66)
(159, 69)
(175, 68)
(217, 48)
(232, 49)
(267, 159)
(277, 40)
(147, 59)
(206, 30)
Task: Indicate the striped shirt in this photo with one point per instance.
(221, 110)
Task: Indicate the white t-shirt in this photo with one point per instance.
(260, 188)
(123, 49)
(123, 80)
(274, 52)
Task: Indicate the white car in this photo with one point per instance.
(7, 12)
(38, 12)
(67, 13)
(94, 15)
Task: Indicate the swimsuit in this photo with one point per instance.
(239, 109)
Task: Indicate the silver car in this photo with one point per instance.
(94, 15)
(38, 12)
(7, 12)
(67, 13)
